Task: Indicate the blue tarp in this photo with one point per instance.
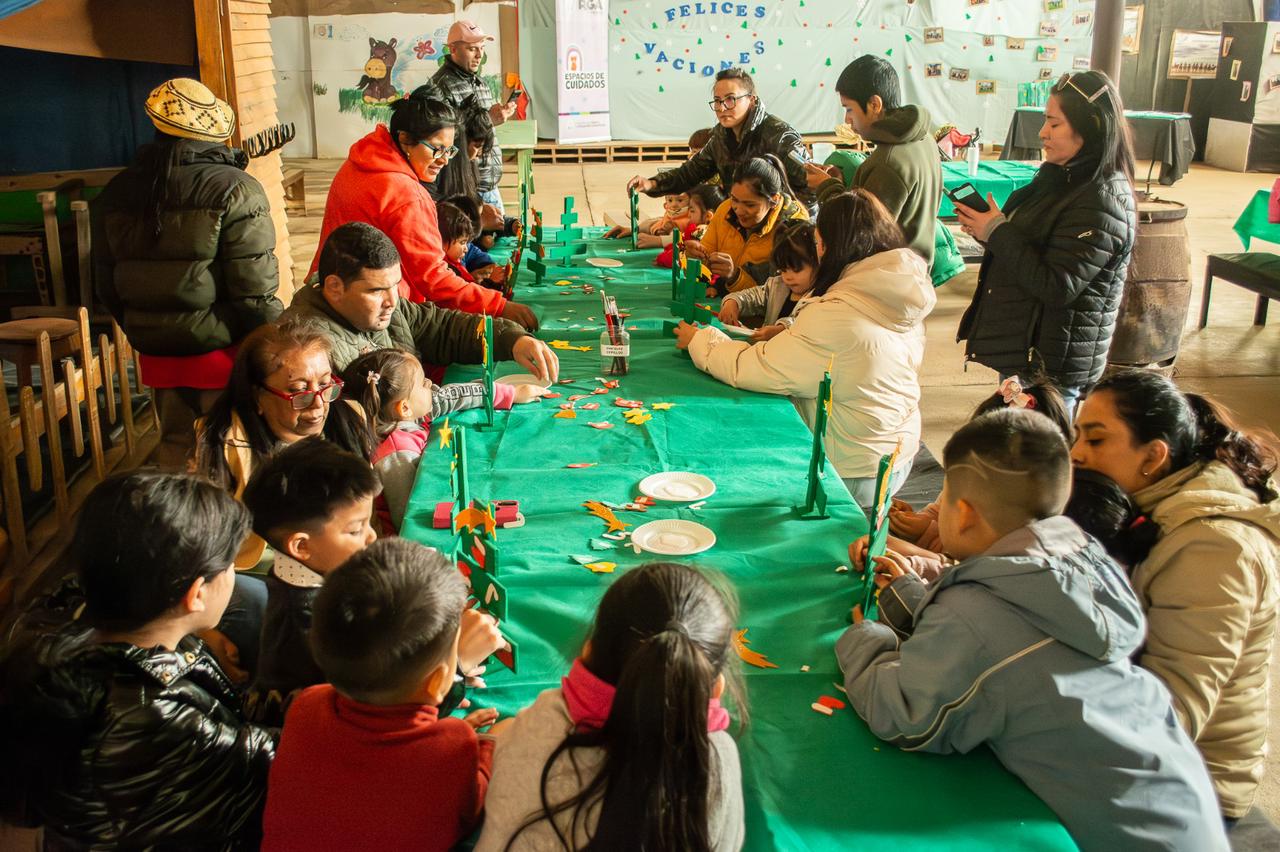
(8, 7)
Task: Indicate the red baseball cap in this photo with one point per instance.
(468, 32)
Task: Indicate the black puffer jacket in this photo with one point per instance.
(211, 275)
(124, 747)
(762, 134)
(1052, 277)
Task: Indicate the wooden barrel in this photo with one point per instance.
(1157, 289)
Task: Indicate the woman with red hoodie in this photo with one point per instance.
(381, 183)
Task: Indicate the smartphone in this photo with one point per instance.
(968, 196)
(515, 93)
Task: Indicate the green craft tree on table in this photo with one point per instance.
(814, 507)
(484, 329)
(635, 220)
(879, 540)
(475, 544)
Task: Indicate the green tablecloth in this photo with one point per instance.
(1253, 223)
(997, 177)
(810, 781)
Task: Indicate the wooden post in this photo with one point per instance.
(80, 209)
(1108, 33)
(53, 244)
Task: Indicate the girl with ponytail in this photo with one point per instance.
(1210, 583)
(738, 243)
(400, 402)
(632, 751)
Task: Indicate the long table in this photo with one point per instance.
(996, 177)
(810, 781)
(1162, 137)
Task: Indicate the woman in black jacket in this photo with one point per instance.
(743, 130)
(1054, 269)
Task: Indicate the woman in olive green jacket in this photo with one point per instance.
(1210, 582)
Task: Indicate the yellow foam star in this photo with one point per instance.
(662, 406)
(446, 434)
(564, 283)
(601, 567)
(566, 414)
(564, 344)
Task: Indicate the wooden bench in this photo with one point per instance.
(295, 190)
(1256, 271)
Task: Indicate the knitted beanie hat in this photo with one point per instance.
(185, 107)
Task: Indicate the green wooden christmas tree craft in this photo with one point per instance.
(635, 220)
(677, 259)
(688, 288)
(475, 545)
(569, 230)
(879, 541)
(815, 497)
(484, 330)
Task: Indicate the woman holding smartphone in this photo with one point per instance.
(1051, 280)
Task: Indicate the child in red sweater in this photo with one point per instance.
(365, 762)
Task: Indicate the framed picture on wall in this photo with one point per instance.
(1131, 33)
(1275, 44)
(1194, 54)
(1046, 73)
(986, 87)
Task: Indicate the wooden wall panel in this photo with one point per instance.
(136, 30)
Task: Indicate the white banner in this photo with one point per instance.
(582, 70)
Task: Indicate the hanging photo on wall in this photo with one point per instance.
(1131, 33)
(1194, 54)
(1080, 63)
(932, 35)
(1055, 5)
(978, 2)
(1235, 69)
(1270, 84)
(1048, 29)
(1226, 46)
(1275, 44)
(1015, 43)
(1047, 53)
(1082, 18)
(933, 69)
(1246, 89)
(1046, 73)
(988, 41)
(986, 87)
(959, 74)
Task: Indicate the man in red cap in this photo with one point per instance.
(458, 79)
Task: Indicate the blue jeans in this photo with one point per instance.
(242, 621)
(863, 488)
(492, 196)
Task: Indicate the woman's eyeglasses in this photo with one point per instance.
(445, 154)
(727, 103)
(304, 399)
(1068, 80)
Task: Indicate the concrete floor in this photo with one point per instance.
(1231, 360)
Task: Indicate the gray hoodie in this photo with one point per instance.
(1026, 648)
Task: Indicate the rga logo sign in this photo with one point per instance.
(706, 66)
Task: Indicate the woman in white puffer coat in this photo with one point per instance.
(864, 320)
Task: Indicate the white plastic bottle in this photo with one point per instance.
(973, 157)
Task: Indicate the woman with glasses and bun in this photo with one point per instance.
(1051, 280)
(743, 130)
(383, 183)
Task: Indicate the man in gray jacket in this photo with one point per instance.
(1025, 645)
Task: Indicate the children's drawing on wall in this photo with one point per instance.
(375, 86)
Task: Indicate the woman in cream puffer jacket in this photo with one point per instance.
(864, 321)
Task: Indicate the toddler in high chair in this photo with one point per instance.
(401, 401)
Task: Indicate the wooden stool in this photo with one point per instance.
(18, 343)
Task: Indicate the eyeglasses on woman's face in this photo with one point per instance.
(727, 103)
(440, 153)
(304, 399)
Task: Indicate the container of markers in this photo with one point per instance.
(615, 350)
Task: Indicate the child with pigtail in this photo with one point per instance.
(401, 401)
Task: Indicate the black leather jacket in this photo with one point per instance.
(124, 747)
(762, 134)
(1052, 277)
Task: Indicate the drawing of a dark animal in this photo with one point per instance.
(376, 81)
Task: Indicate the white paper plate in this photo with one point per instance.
(517, 379)
(740, 330)
(677, 486)
(605, 262)
(673, 537)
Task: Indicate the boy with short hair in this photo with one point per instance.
(365, 761)
(904, 171)
(1025, 645)
(312, 502)
(122, 728)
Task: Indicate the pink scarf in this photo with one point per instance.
(590, 700)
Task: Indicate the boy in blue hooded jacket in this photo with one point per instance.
(1025, 645)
